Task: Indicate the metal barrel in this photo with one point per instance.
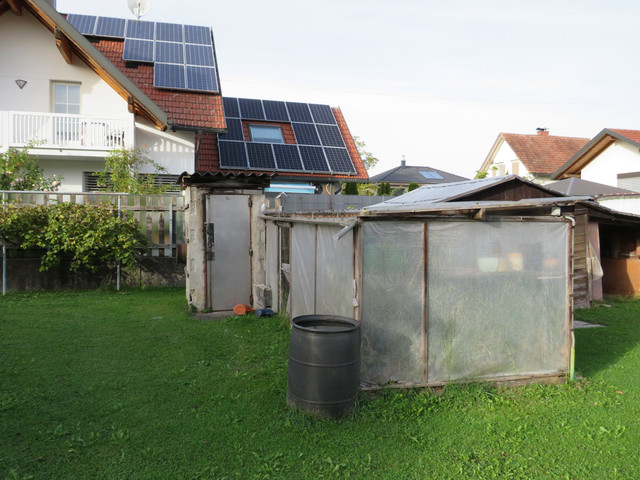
(324, 364)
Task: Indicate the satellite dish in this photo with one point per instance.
(139, 7)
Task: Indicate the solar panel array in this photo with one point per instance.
(182, 55)
(319, 146)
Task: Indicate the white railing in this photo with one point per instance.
(64, 131)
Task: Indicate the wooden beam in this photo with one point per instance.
(4, 7)
(16, 6)
(63, 45)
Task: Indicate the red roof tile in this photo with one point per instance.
(543, 154)
(633, 135)
(187, 109)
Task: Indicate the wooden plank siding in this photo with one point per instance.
(161, 217)
(581, 290)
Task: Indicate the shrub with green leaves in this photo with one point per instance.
(123, 173)
(19, 171)
(90, 235)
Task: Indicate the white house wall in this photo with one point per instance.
(29, 53)
(172, 150)
(618, 158)
(505, 156)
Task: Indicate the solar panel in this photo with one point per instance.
(202, 79)
(136, 50)
(322, 114)
(200, 55)
(306, 133)
(261, 156)
(330, 136)
(313, 159)
(196, 34)
(234, 130)
(432, 175)
(167, 52)
(140, 29)
(276, 111)
(232, 154)
(287, 157)
(85, 24)
(339, 160)
(299, 112)
(168, 75)
(110, 27)
(230, 107)
(169, 32)
(250, 108)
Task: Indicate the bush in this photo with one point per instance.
(19, 171)
(92, 235)
(350, 188)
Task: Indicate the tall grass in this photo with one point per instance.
(128, 385)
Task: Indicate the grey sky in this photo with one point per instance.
(434, 81)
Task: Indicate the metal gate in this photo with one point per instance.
(228, 251)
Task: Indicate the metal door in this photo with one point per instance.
(228, 251)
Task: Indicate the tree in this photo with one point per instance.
(123, 173)
(412, 186)
(19, 171)
(350, 188)
(368, 160)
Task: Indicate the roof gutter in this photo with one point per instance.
(100, 63)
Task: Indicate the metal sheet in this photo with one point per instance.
(229, 241)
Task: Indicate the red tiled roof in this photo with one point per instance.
(543, 154)
(633, 135)
(188, 109)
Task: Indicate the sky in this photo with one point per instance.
(432, 82)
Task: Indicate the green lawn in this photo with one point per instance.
(105, 385)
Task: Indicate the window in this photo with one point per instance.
(515, 167)
(266, 133)
(66, 98)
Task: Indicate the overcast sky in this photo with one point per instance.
(431, 80)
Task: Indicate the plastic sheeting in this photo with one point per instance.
(321, 271)
(392, 307)
(498, 299)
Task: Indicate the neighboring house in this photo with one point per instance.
(535, 157)
(404, 175)
(612, 157)
(82, 86)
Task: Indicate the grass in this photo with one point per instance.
(106, 385)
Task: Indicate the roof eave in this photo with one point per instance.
(138, 101)
(588, 153)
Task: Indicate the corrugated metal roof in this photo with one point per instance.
(445, 192)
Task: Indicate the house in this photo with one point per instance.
(612, 158)
(536, 157)
(82, 86)
(405, 175)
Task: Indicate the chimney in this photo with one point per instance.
(403, 162)
(542, 131)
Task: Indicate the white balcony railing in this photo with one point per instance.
(64, 131)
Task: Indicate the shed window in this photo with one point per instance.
(266, 133)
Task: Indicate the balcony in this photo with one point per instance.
(64, 134)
